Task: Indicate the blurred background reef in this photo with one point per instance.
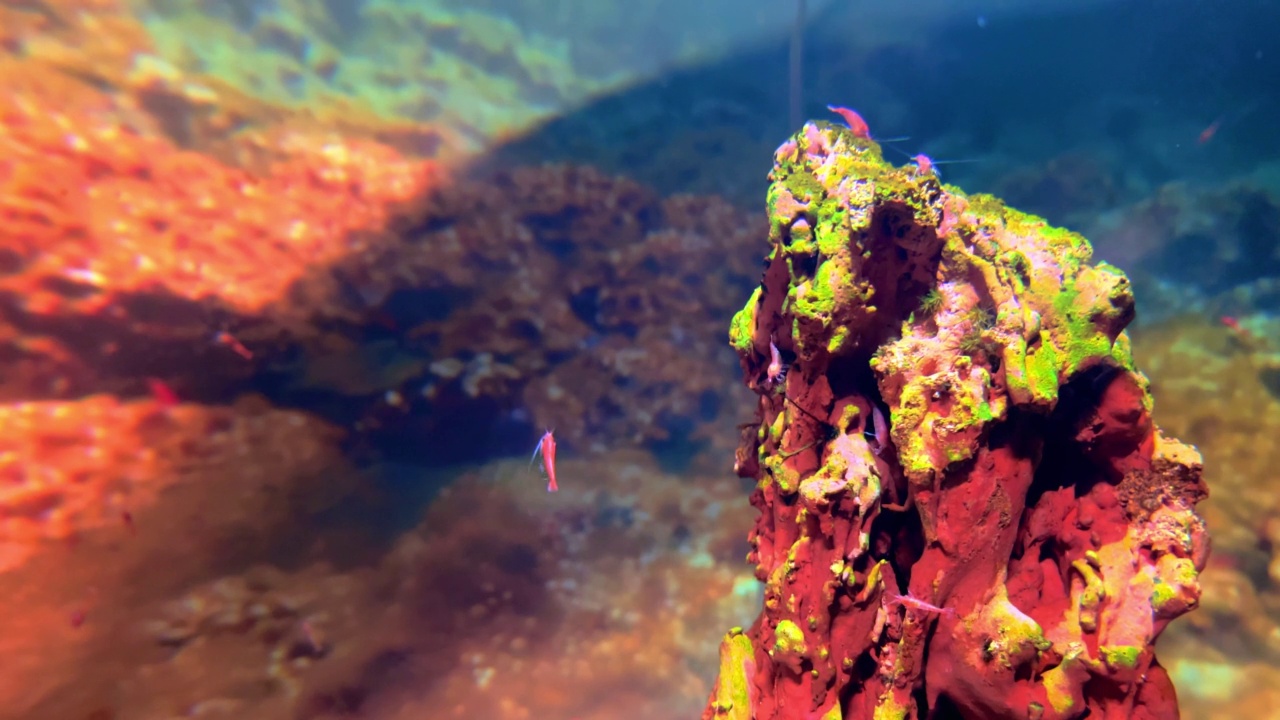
(289, 289)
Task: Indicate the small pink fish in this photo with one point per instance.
(312, 637)
(225, 338)
(162, 393)
(923, 164)
(777, 371)
(926, 165)
(853, 120)
(916, 603)
(1207, 134)
(880, 428)
(547, 446)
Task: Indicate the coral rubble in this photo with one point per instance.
(964, 505)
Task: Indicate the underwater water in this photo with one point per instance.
(582, 360)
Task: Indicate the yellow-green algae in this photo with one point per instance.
(788, 642)
(742, 329)
(786, 479)
(818, 299)
(833, 713)
(1012, 637)
(1038, 276)
(732, 699)
(1121, 656)
(1057, 682)
(889, 707)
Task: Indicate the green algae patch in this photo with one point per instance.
(912, 435)
(838, 341)
(984, 413)
(742, 329)
(833, 230)
(1169, 594)
(1042, 374)
(1163, 595)
(1058, 685)
(817, 299)
(1012, 637)
(786, 479)
(1122, 352)
(1078, 337)
(1057, 688)
(789, 646)
(1123, 657)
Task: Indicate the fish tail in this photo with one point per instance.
(536, 449)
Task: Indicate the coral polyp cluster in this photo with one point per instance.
(964, 504)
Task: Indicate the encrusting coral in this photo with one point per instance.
(964, 504)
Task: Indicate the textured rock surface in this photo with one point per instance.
(964, 504)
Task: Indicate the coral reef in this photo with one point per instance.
(145, 261)
(140, 253)
(1220, 389)
(604, 329)
(500, 601)
(964, 504)
(1217, 386)
(68, 468)
(109, 506)
(175, 544)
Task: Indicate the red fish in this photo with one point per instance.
(547, 446)
(236, 346)
(1233, 324)
(853, 120)
(163, 394)
(1227, 120)
(1207, 134)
